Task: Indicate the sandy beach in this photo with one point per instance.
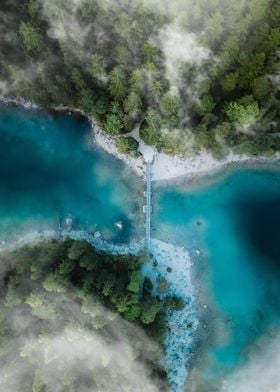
(168, 167)
(165, 167)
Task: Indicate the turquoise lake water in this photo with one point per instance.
(234, 222)
(51, 170)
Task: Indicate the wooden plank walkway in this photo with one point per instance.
(148, 208)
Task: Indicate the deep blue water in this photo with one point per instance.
(51, 170)
(235, 223)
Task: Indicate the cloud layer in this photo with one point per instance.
(69, 355)
(261, 373)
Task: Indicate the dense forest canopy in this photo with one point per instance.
(75, 319)
(193, 74)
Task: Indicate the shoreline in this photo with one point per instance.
(170, 168)
(102, 139)
(107, 142)
(185, 326)
(21, 102)
(174, 263)
(173, 167)
(34, 237)
(165, 167)
(182, 325)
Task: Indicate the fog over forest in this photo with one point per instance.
(192, 75)
(76, 319)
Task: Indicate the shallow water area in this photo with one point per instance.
(231, 228)
(52, 175)
(174, 264)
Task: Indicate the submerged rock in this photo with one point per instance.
(68, 223)
(183, 323)
(97, 234)
(119, 225)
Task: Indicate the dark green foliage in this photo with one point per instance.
(108, 65)
(31, 38)
(127, 145)
(148, 285)
(135, 282)
(172, 108)
(72, 290)
(86, 100)
(174, 303)
(114, 70)
(114, 124)
(243, 112)
(118, 83)
(78, 249)
(98, 66)
(206, 105)
(150, 130)
(260, 145)
(245, 38)
(229, 81)
(150, 309)
(162, 285)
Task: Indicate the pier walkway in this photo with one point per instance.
(148, 206)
